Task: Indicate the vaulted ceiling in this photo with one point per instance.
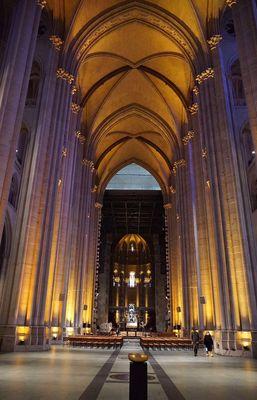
(135, 63)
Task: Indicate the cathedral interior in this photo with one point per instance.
(128, 182)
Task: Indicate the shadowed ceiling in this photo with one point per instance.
(136, 63)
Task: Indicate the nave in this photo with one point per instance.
(102, 374)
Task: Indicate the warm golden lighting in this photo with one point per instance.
(22, 333)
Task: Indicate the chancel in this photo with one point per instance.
(128, 195)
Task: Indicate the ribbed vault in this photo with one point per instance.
(135, 64)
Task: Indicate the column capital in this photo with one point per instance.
(172, 189)
(41, 3)
(79, 135)
(230, 3)
(75, 108)
(64, 152)
(188, 137)
(88, 163)
(193, 109)
(214, 41)
(94, 189)
(56, 41)
(177, 164)
(61, 73)
(204, 153)
(204, 75)
(167, 206)
(98, 205)
(196, 90)
(74, 89)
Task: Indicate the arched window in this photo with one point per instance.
(34, 81)
(22, 145)
(237, 84)
(14, 191)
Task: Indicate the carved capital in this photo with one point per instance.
(64, 152)
(65, 75)
(89, 164)
(172, 190)
(230, 3)
(178, 164)
(206, 74)
(193, 109)
(80, 137)
(196, 90)
(41, 3)
(75, 108)
(214, 41)
(56, 41)
(74, 89)
(204, 153)
(94, 189)
(189, 136)
(167, 206)
(98, 205)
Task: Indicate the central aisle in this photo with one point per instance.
(113, 378)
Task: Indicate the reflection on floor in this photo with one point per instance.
(102, 374)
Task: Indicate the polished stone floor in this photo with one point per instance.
(102, 374)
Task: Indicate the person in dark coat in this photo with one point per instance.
(195, 340)
(208, 342)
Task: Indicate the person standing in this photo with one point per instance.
(195, 337)
(208, 342)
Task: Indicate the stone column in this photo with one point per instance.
(93, 270)
(161, 302)
(104, 282)
(245, 21)
(185, 219)
(14, 79)
(32, 271)
(205, 251)
(63, 230)
(235, 272)
(73, 309)
(81, 303)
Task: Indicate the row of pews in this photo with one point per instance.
(166, 343)
(95, 341)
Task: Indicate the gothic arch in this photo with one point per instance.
(104, 183)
